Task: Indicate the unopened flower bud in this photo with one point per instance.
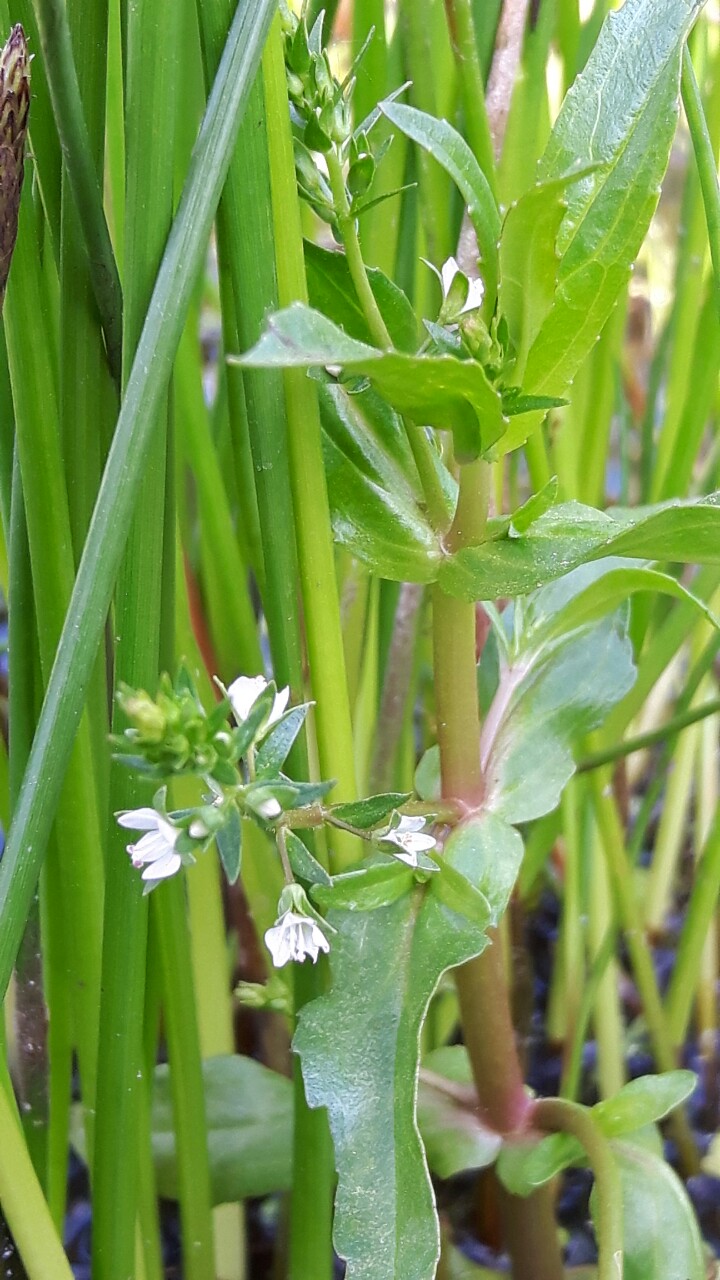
(144, 715)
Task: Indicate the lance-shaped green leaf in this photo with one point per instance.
(304, 865)
(434, 390)
(610, 590)
(620, 114)
(359, 1047)
(368, 813)
(571, 534)
(529, 261)
(229, 845)
(277, 743)
(452, 152)
(374, 502)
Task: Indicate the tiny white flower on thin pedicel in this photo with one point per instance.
(476, 289)
(244, 693)
(409, 840)
(293, 937)
(156, 849)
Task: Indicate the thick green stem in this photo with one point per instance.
(458, 719)
(567, 1117)
(481, 984)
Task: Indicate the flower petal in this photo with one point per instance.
(138, 819)
(409, 858)
(243, 692)
(476, 292)
(163, 867)
(149, 849)
(448, 272)
(408, 823)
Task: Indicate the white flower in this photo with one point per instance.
(293, 937)
(156, 850)
(476, 289)
(244, 693)
(408, 838)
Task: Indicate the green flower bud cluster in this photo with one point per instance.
(171, 734)
(322, 110)
(320, 101)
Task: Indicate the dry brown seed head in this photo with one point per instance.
(14, 110)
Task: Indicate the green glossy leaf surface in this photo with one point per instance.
(535, 506)
(610, 590)
(304, 865)
(366, 889)
(529, 262)
(376, 510)
(620, 114)
(571, 534)
(487, 852)
(545, 702)
(331, 291)
(359, 1047)
(368, 813)
(427, 775)
(433, 390)
(277, 743)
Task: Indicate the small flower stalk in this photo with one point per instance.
(14, 110)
